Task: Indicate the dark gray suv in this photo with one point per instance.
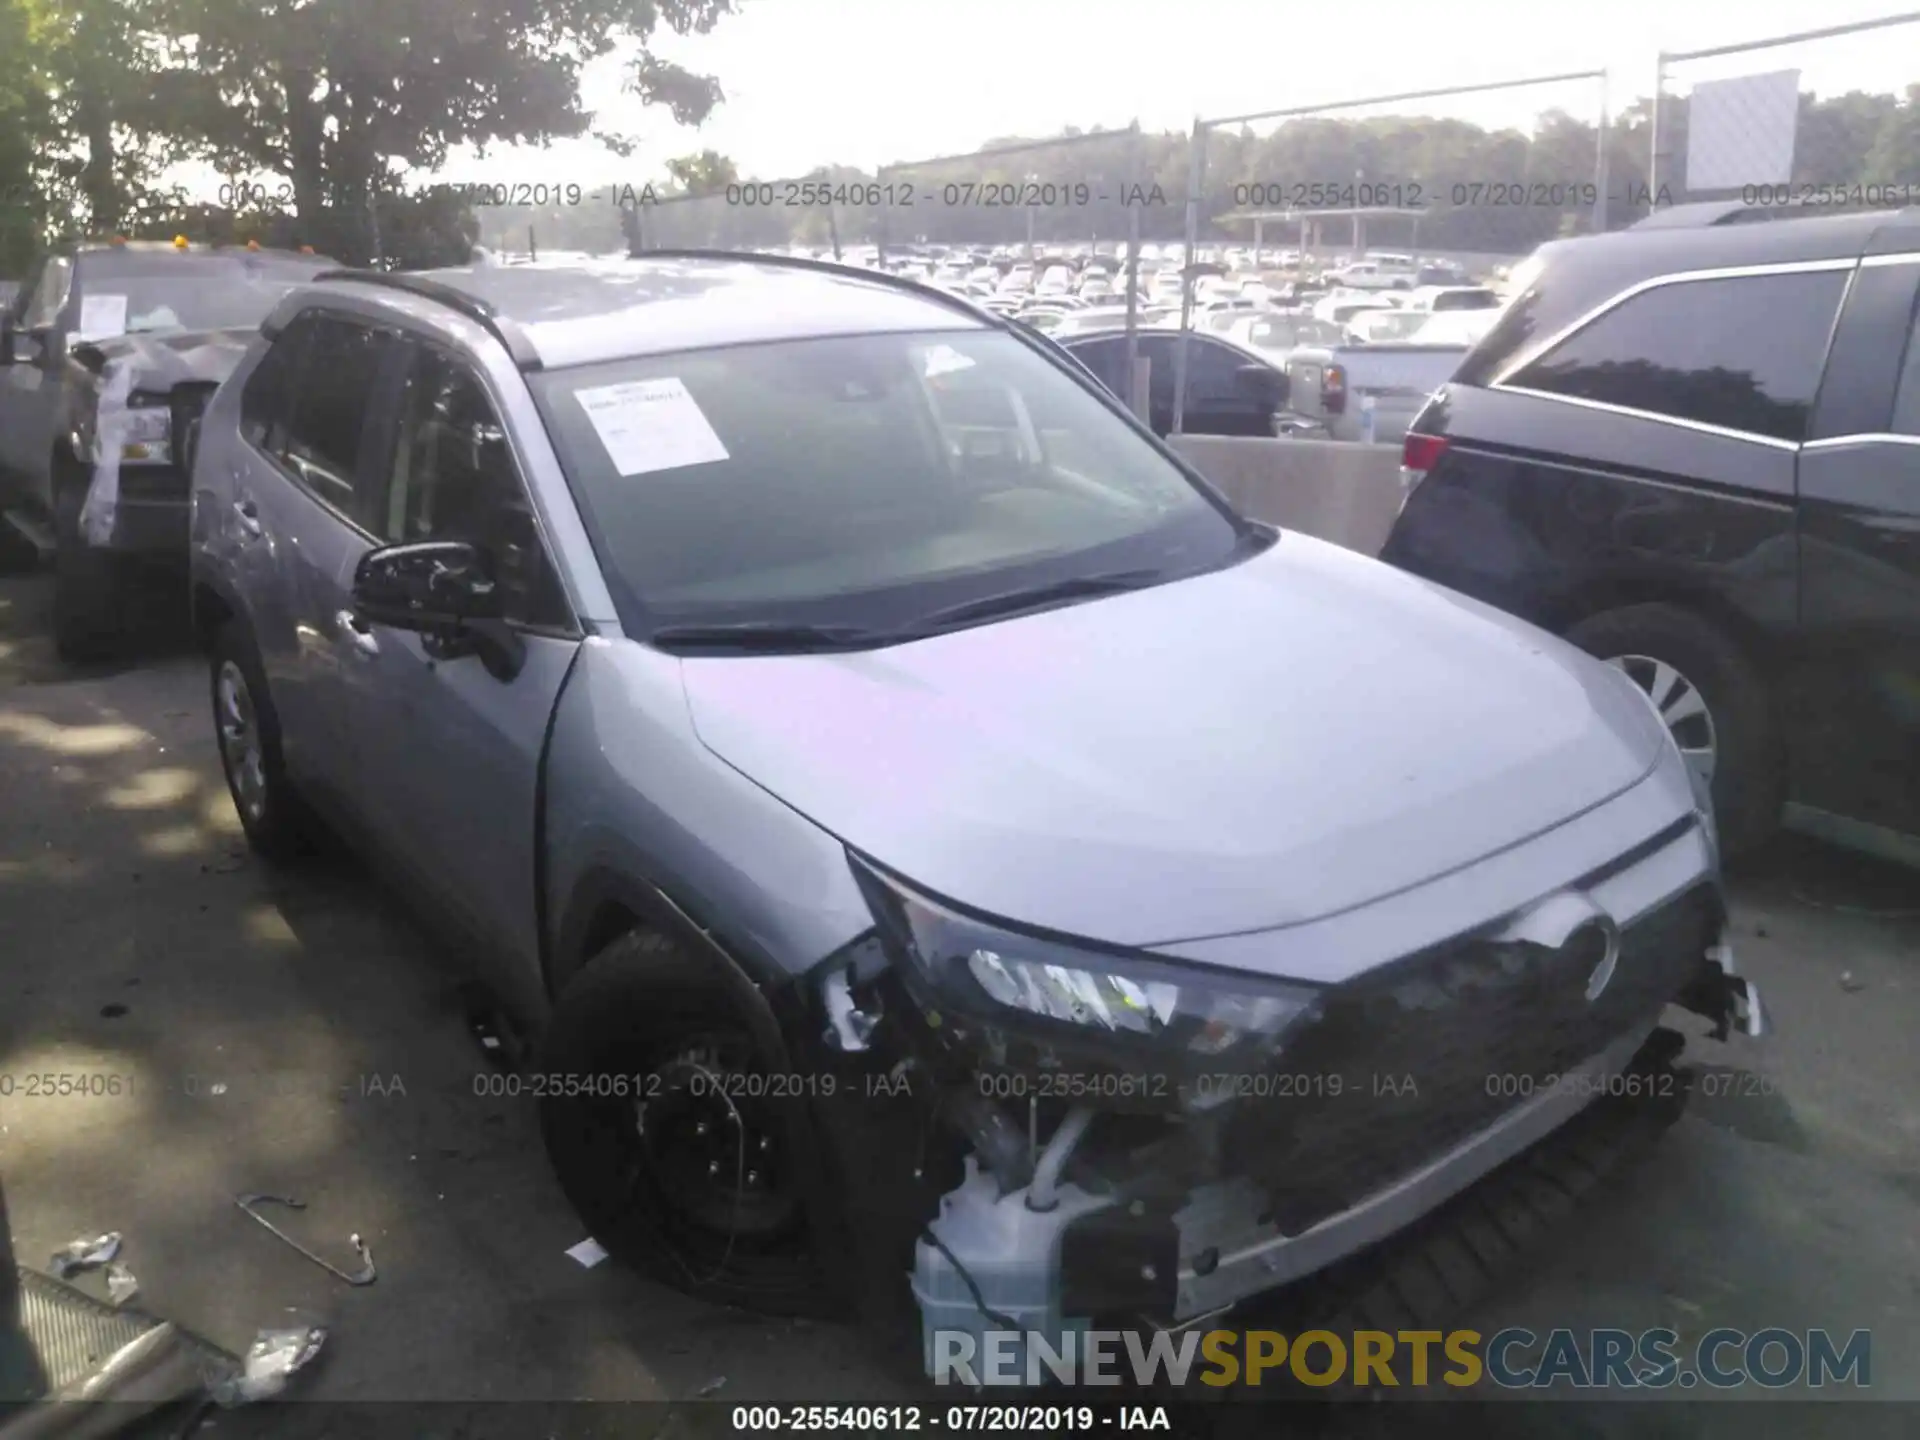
(943, 849)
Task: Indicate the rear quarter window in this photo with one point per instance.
(1741, 353)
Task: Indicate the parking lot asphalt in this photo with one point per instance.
(294, 1032)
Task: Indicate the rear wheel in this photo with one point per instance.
(658, 1119)
(1714, 704)
(277, 823)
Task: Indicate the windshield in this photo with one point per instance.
(227, 300)
(862, 480)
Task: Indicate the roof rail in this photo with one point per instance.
(472, 306)
(1703, 213)
(833, 267)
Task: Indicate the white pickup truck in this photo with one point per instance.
(1332, 384)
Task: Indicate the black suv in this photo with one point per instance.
(1695, 451)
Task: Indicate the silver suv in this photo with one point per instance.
(922, 822)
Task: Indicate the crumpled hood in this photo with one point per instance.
(1275, 742)
(166, 358)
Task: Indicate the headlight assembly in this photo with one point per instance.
(1074, 990)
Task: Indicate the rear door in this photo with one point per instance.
(300, 511)
(451, 753)
(1856, 721)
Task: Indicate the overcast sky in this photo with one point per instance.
(869, 81)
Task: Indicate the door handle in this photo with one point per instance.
(248, 515)
(356, 630)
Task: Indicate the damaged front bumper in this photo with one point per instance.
(1412, 1083)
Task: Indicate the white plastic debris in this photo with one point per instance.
(588, 1253)
(111, 426)
(121, 1284)
(84, 1254)
(270, 1362)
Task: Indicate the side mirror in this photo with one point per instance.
(426, 585)
(29, 347)
(445, 591)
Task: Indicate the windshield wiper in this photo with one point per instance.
(767, 635)
(1010, 602)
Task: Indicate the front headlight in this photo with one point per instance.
(1003, 977)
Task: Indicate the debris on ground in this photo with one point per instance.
(365, 1275)
(121, 1284)
(84, 1254)
(588, 1253)
(711, 1387)
(270, 1362)
(1849, 984)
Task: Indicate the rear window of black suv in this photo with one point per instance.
(1741, 353)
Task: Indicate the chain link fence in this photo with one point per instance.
(1452, 180)
(1787, 122)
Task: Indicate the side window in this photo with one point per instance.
(1906, 400)
(23, 297)
(49, 293)
(452, 477)
(329, 411)
(1212, 372)
(1105, 358)
(1743, 353)
(269, 389)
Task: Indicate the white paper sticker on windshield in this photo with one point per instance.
(101, 317)
(943, 360)
(650, 425)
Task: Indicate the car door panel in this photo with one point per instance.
(451, 754)
(1855, 700)
(30, 389)
(296, 509)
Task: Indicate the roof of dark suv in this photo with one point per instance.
(654, 304)
(1574, 276)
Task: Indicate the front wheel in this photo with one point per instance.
(667, 1134)
(1713, 702)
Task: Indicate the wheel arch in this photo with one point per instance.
(1603, 594)
(607, 903)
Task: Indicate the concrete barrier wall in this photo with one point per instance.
(1336, 490)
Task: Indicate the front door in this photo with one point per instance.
(299, 520)
(1856, 750)
(451, 753)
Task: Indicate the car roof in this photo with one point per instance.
(152, 257)
(668, 301)
(1204, 336)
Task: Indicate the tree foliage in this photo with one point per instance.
(339, 99)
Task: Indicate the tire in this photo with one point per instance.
(623, 1027)
(88, 615)
(277, 823)
(1749, 776)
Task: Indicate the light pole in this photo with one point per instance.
(1029, 184)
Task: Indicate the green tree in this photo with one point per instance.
(341, 98)
(1894, 158)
